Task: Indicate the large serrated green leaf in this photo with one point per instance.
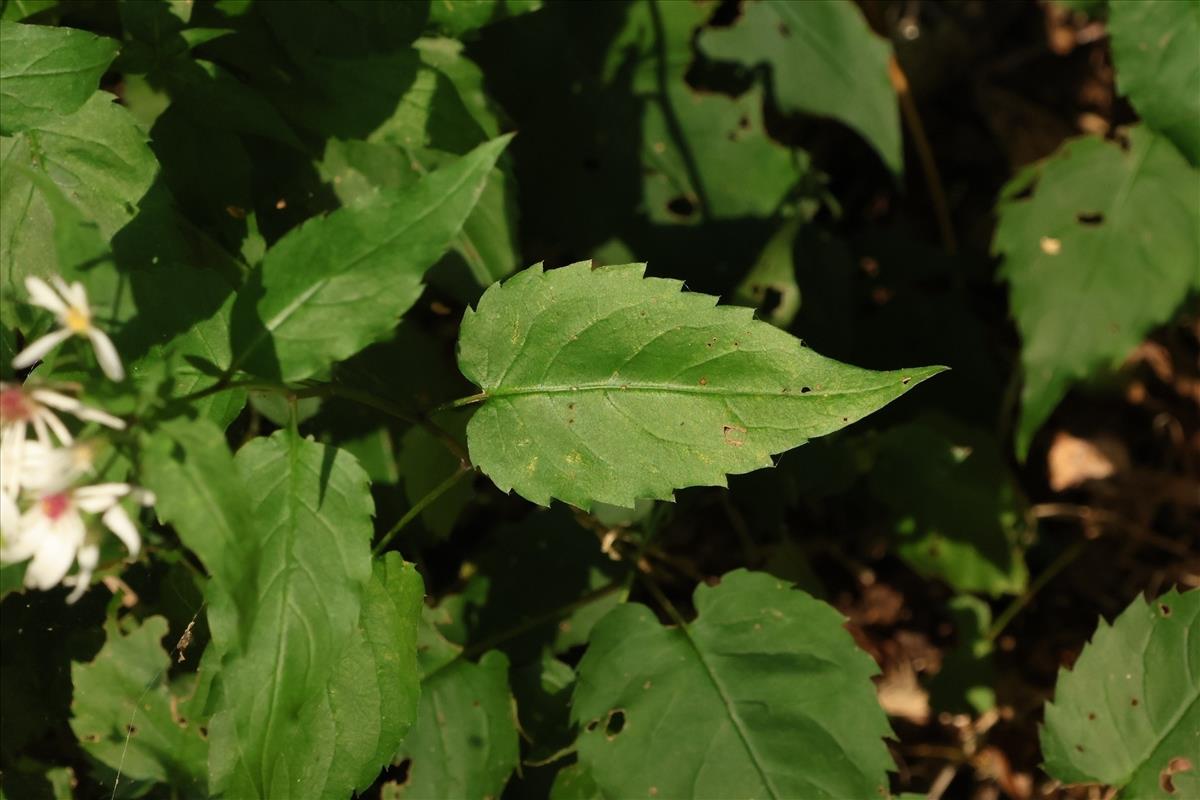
(1155, 51)
(464, 742)
(1128, 713)
(600, 385)
(47, 72)
(99, 158)
(308, 568)
(765, 694)
(824, 60)
(126, 715)
(338, 283)
(1105, 249)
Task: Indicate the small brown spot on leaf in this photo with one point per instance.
(646, 685)
(805, 389)
(905, 381)
(1164, 609)
(704, 381)
(1133, 701)
(735, 435)
(1079, 747)
(1090, 217)
(654, 791)
(1091, 716)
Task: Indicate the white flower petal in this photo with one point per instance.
(12, 448)
(56, 400)
(40, 294)
(41, 432)
(51, 561)
(14, 544)
(117, 521)
(10, 515)
(76, 295)
(73, 406)
(36, 351)
(89, 557)
(108, 490)
(106, 354)
(55, 424)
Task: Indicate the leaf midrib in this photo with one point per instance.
(675, 388)
(730, 711)
(283, 316)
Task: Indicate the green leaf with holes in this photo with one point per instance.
(1128, 713)
(1158, 65)
(128, 716)
(599, 385)
(764, 694)
(824, 60)
(335, 284)
(1105, 248)
(47, 73)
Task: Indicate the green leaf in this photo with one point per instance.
(308, 567)
(460, 17)
(771, 285)
(1158, 65)
(1128, 712)
(967, 678)
(599, 385)
(340, 282)
(438, 117)
(187, 465)
(126, 714)
(824, 60)
(765, 694)
(464, 743)
(372, 697)
(723, 165)
(46, 73)
(1103, 221)
(575, 783)
(98, 157)
(955, 505)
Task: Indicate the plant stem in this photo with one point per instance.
(420, 506)
(401, 413)
(1038, 583)
(470, 400)
(541, 619)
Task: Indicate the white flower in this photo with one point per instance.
(42, 470)
(54, 534)
(70, 305)
(10, 517)
(25, 406)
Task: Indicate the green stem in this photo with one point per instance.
(470, 400)
(420, 506)
(401, 413)
(1038, 583)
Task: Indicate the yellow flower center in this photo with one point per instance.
(77, 320)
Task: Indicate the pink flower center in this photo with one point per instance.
(13, 406)
(55, 505)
